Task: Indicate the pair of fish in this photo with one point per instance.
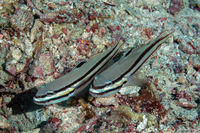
(103, 84)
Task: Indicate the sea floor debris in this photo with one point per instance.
(41, 41)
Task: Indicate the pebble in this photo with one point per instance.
(188, 104)
(11, 67)
(29, 49)
(106, 101)
(16, 54)
(37, 25)
(5, 76)
(150, 2)
(186, 48)
(181, 79)
(155, 64)
(143, 124)
(46, 62)
(195, 61)
(20, 67)
(56, 41)
(39, 82)
(86, 35)
(100, 47)
(37, 130)
(22, 20)
(18, 43)
(197, 76)
(190, 69)
(96, 40)
(129, 90)
(176, 6)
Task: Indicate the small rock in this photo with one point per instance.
(96, 40)
(4, 76)
(37, 130)
(22, 20)
(46, 62)
(129, 90)
(4, 21)
(155, 64)
(186, 48)
(100, 47)
(187, 104)
(143, 124)
(149, 3)
(18, 43)
(39, 82)
(195, 61)
(176, 6)
(16, 54)
(181, 79)
(29, 49)
(37, 25)
(86, 35)
(38, 72)
(20, 67)
(197, 76)
(11, 67)
(190, 69)
(56, 41)
(57, 29)
(106, 101)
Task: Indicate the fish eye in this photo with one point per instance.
(50, 92)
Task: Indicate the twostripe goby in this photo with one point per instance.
(75, 81)
(112, 79)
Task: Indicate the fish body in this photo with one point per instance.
(75, 81)
(112, 79)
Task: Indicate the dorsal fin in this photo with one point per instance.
(127, 52)
(80, 64)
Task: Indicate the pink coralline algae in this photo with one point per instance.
(53, 17)
(188, 48)
(184, 98)
(10, 68)
(38, 71)
(186, 104)
(176, 6)
(52, 125)
(181, 94)
(89, 126)
(43, 67)
(146, 102)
